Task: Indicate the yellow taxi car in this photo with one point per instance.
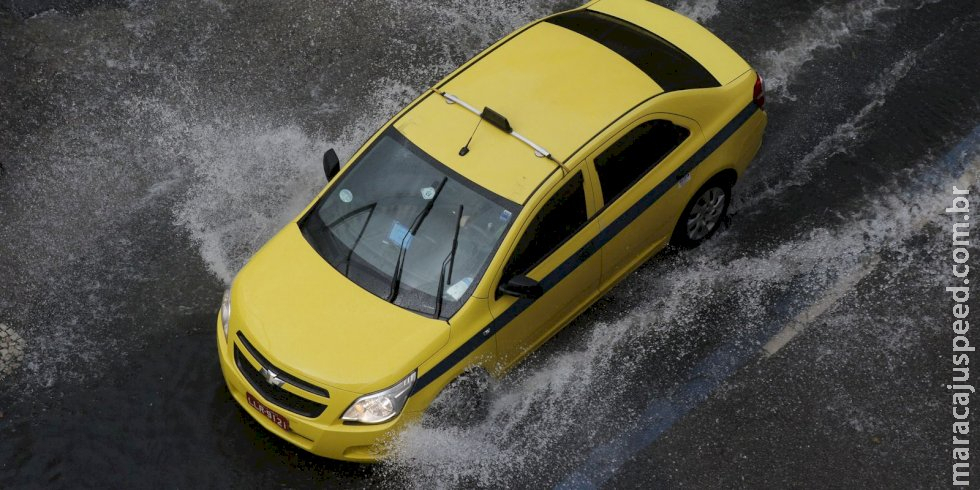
(486, 216)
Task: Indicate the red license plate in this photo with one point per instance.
(268, 412)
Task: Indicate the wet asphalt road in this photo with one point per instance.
(149, 148)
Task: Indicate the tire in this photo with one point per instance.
(704, 214)
(463, 402)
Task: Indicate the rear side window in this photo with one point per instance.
(563, 215)
(630, 158)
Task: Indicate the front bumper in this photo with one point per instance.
(325, 435)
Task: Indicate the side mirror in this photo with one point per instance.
(331, 164)
(522, 287)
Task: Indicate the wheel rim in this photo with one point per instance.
(706, 213)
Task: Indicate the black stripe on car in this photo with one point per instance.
(665, 63)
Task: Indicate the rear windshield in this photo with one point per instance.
(399, 223)
(663, 62)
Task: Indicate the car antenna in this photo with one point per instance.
(466, 148)
(493, 117)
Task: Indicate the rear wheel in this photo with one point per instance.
(703, 215)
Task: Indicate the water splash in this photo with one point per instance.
(147, 142)
(843, 137)
(121, 163)
(12, 347)
(828, 28)
(554, 407)
(235, 164)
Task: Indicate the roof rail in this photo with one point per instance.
(501, 123)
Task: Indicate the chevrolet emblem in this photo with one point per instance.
(272, 378)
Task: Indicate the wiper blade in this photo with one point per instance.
(324, 230)
(396, 277)
(451, 262)
(350, 253)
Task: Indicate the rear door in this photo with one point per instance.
(639, 189)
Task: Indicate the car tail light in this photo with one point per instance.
(759, 94)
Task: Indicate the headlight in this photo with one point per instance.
(226, 311)
(381, 406)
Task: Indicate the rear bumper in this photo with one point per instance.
(325, 435)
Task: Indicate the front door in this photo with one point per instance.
(553, 249)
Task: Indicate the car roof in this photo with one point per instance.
(555, 87)
(559, 83)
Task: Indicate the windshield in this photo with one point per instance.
(399, 221)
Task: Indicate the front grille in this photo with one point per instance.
(316, 390)
(275, 394)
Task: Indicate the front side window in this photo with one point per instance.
(563, 215)
(408, 229)
(630, 158)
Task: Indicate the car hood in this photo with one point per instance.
(312, 322)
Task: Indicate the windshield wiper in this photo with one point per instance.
(370, 210)
(450, 261)
(350, 253)
(396, 277)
